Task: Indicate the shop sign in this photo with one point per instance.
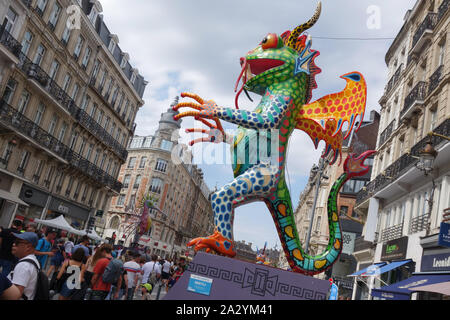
(436, 262)
(348, 242)
(395, 249)
(444, 235)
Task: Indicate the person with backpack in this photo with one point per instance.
(152, 274)
(76, 263)
(27, 275)
(102, 285)
(133, 270)
(114, 275)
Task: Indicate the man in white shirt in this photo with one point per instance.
(165, 274)
(68, 246)
(24, 276)
(133, 270)
(150, 267)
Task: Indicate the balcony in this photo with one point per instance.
(394, 80)
(443, 8)
(401, 165)
(55, 93)
(424, 33)
(419, 223)
(386, 133)
(415, 99)
(13, 47)
(392, 233)
(11, 118)
(435, 79)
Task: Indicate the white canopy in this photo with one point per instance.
(92, 234)
(58, 223)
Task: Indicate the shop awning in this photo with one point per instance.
(442, 288)
(11, 197)
(386, 268)
(403, 289)
(368, 269)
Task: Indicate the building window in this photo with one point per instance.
(69, 186)
(26, 42)
(54, 16)
(124, 62)
(66, 34)
(89, 151)
(39, 56)
(78, 47)
(136, 142)
(100, 117)
(318, 222)
(433, 119)
(137, 181)
(112, 45)
(85, 102)
(38, 171)
(441, 53)
(93, 110)
(39, 113)
(66, 82)
(166, 145)
(62, 132)
(108, 119)
(93, 15)
(10, 20)
(23, 102)
(343, 210)
(87, 56)
(156, 185)
(121, 200)
(126, 180)
(41, 4)
(9, 90)
(102, 162)
(161, 165)
(131, 163)
(142, 163)
(133, 78)
(75, 90)
(23, 162)
(96, 156)
(95, 70)
(73, 140)
(54, 69)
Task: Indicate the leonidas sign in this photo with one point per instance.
(395, 249)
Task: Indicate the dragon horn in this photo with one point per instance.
(291, 41)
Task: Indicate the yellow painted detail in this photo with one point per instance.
(288, 231)
(297, 254)
(319, 264)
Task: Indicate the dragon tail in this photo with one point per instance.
(280, 207)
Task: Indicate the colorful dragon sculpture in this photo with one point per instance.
(282, 70)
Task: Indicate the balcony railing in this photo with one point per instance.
(435, 79)
(387, 132)
(394, 80)
(419, 223)
(10, 42)
(428, 24)
(417, 94)
(402, 164)
(10, 117)
(443, 9)
(392, 233)
(35, 72)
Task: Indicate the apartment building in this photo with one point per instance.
(69, 100)
(181, 193)
(403, 205)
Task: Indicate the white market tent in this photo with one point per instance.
(58, 223)
(92, 234)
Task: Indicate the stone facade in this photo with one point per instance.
(63, 129)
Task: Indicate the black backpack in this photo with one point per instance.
(42, 287)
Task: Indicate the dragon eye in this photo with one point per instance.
(270, 41)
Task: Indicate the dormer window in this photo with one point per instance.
(133, 76)
(93, 15)
(125, 58)
(112, 45)
(114, 40)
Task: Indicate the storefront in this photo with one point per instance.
(43, 206)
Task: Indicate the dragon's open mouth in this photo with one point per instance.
(258, 66)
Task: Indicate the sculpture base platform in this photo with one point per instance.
(212, 277)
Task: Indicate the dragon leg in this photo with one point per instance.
(280, 206)
(255, 183)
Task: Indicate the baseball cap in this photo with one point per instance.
(28, 236)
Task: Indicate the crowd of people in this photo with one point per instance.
(36, 266)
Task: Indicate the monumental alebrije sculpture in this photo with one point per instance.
(282, 70)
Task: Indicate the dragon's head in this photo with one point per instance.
(354, 165)
(279, 58)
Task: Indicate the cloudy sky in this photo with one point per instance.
(195, 46)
